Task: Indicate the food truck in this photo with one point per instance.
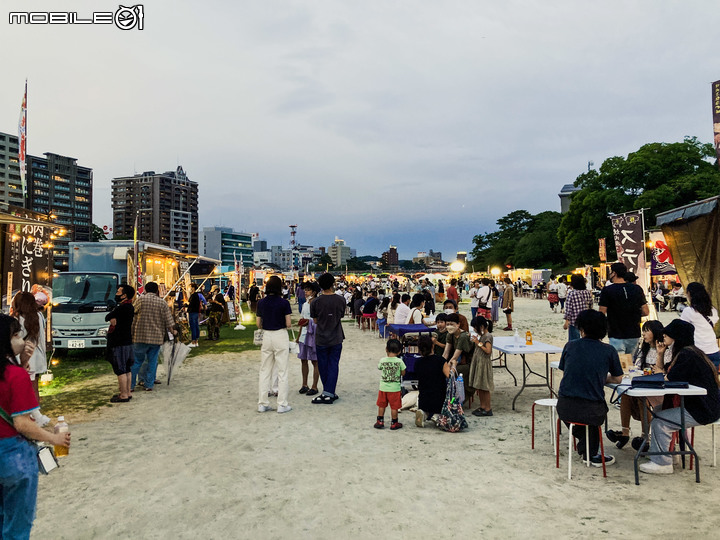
(83, 296)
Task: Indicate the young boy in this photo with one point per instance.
(458, 350)
(392, 368)
(439, 339)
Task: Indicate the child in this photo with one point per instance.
(439, 339)
(307, 351)
(458, 350)
(481, 370)
(392, 368)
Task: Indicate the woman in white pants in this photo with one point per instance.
(273, 317)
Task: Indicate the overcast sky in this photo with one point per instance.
(413, 123)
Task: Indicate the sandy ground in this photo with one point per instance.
(195, 460)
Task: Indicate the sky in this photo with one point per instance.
(411, 123)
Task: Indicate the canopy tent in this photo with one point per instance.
(692, 233)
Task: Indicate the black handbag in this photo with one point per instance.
(656, 380)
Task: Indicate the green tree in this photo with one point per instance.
(498, 248)
(540, 246)
(96, 233)
(658, 177)
(356, 264)
(324, 262)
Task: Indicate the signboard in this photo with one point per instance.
(28, 261)
(716, 116)
(661, 261)
(602, 250)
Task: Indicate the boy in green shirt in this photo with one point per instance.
(392, 368)
(440, 338)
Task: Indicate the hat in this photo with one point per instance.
(214, 288)
(681, 331)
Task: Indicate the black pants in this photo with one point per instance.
(584, 411)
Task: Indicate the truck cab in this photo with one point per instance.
(81, 300)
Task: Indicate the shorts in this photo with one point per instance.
(394, 399)
(121, 359)
(485, 312)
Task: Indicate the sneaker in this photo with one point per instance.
(507, 329)
(396, 425)
(420, 418)
(638, 441)
(284, 409)
(482, 412)
(193, 345)
(651, 467)
(264, 408)
(617, 437)
(379, 424)
(596, 461)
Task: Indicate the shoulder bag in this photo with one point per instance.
(45, 455)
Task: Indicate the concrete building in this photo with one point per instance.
(260, 245)
(166, 205)
(339, 253)
(565, 196)
(225, 244)
(56, 185)
(390, 259)
(10, 188)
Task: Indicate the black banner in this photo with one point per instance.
(716, 116)
(28, 261)
(629, 242)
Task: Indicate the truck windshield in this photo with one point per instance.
(84, 293)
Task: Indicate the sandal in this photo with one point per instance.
(304, 390)
(323, 399)
(312, 392)
(118, 399)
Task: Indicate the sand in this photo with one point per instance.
(195, 460)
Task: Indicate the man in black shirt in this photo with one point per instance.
(624, 304)
(327, 311)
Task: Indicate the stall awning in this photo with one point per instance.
(687, 212)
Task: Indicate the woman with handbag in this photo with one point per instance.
(18, 456)
(273, 318)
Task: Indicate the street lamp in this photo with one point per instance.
(495, 271)
(457, 266)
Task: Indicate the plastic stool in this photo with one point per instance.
(547, 402)
(571, 441)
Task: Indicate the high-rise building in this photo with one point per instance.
(166, 205)
(225, 244)
(56, 185)
(10, 189)
(390, 259)
(339, 253)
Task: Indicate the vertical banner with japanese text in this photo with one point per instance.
(602, 250)
(629, 236)
(716, 117)
(28, 260)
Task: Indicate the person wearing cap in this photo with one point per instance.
(216, 307)
(690, 365)
(624, 304)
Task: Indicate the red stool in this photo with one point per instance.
(571, 444)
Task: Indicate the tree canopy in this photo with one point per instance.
(522, 240)
(658, 177)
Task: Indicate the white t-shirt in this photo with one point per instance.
(416, 316)
(705, 339)
(562, 290)
(484, 295)
(402, 314)
(304, 314)
(473, 297)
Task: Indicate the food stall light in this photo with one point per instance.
(495, 271)
(15, 237)
(55, 362)
(457, 266)
(31, 238)
(53, 216)
(650, 244)
(53, 237)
